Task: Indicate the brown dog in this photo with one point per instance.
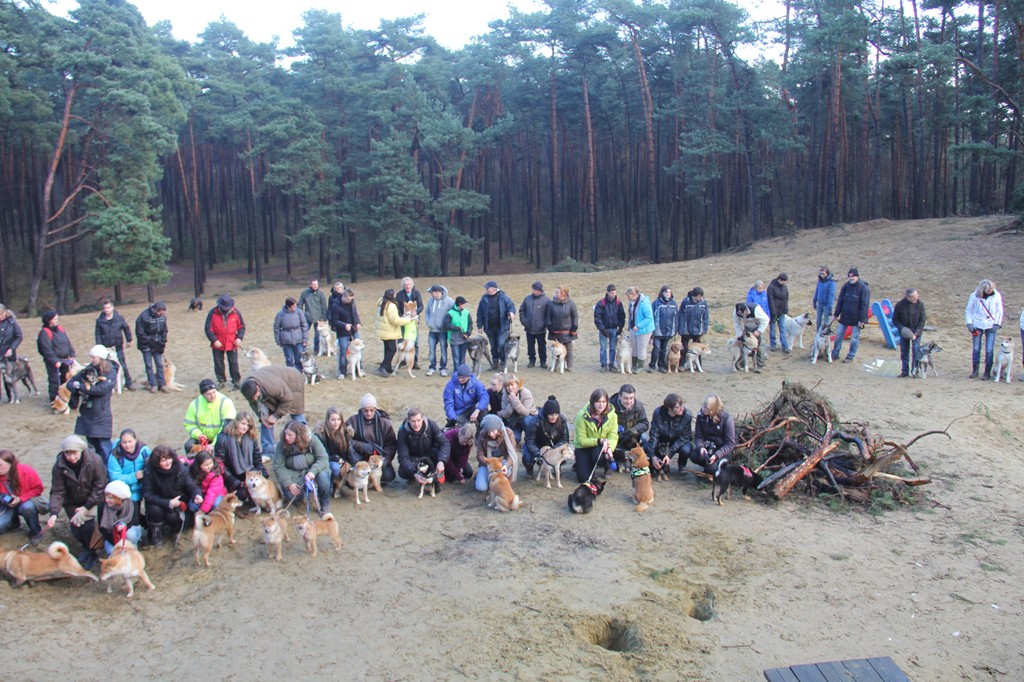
(354, 358)
(558, 353)
(359, 479)
(263, 492)
(551, 460)
(675, 354)
(500, 495)
(213, 526)
(310, 530)
(169, 371)
(275, 532)
(640, 472)
(339, 481)
(376, 463)
(31, 567)
(126, 562)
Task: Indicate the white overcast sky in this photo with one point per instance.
(453, 22)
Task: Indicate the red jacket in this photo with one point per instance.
(31, 484)
(212, 486)
(227, 328)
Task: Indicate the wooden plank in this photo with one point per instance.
(862, 670)
(780, 675)
(807, 673)
(887, 669)
(879, 669)
(834, 671)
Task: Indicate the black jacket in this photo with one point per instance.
(429, 442)
(113, 332)
(54, 345)
(94, 417)
(70, 489)
(632, 423)
(665, 428)
(10, 336)
(907, 314)
(237, 458)
(609, 316)
(151, 330)
(159, 487)
(778, 299)
(340, 313)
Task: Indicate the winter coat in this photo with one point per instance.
(282, 391)
(514, 408)
(334, 453)
(852, 303)
(228, 328)
(778, 298)
(437, 310)
(291, 465)
(112, 333)
(693, 317)
(94, 417)
(664, 311)
(544, 434)
(641, 315)
(413, 296)
(389, 325)
(290, 327)
(674, 430)
(108, 517)
(151, 330)
(505, 306)
(313, 305)
(70, 489)
(340, 314)
(237, 457)
(121, 468)
(633, 421)
(428, 442)
(563, 321)
(54, 345)
(30, 485)
(458, 323)
(204, 418)
(609, 316)
(720, 436)
(825, 293)
(756, 321)
(376, 435)
(10, 336)
(459, 398)
(759, 297)
(159, 487)
(984, 313)
(533, 312)
(213, 487)
(912, 315)
(590, 430)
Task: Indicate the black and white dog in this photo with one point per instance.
(310, 370)
(426, 476)
(822, 344)
(512, 353)
(581, 501)
(923, 363)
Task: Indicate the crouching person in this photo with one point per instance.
(549, 430)
(671, 435)
(301, 458)
(714, 436)
(79, 477)
(168, 490)
(118, 509)
(419, 438)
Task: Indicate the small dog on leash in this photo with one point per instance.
(624, 354)
(674, 357)
(795, 327)
(728, 475)
(923, 364)
(311, 529)
(1004, 361)
(512, 353)
(640, 472)
(275, 532)
(551, 460)
(14, 372)
(744, 352)
(214, 526)
(822, 344)
(500, 495)
(31, 567)
(263, 492)
(128, 563)
(426, 476)
(359, 479)
(195, 304)
(581, 501)
(694, 352)
(327, 341)
(558, 353)
(354, 358)
(257, 358)
(478, 349)
(310, 370)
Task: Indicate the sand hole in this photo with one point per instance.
(702, 606)
(613, 634)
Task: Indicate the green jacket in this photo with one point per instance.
(207, 419)
(588, 432)
(292, 468)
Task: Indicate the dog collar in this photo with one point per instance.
(637, 473)
(591, 487)
(747, 473)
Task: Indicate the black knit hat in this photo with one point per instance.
(551, 406)
(48, 317)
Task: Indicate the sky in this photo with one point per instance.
(452, 23)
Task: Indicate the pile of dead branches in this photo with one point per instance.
(798, 438)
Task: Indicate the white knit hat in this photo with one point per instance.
(118, 489)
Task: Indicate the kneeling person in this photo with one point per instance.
(419, 438)
(671, 435)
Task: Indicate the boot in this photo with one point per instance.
(988, 371)
(529, 469)
(974, 372)
(156, 535)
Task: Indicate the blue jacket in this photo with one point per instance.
(459, 398)
(759, 298)
(664, 313)
(642, 315)
(825, 293)
(693, 317)
(852, 303)
(120, 468)
(609, 316)
(505, 306)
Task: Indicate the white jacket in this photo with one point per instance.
(984, 313)
(760, 315)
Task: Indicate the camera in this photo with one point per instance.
(6, 499)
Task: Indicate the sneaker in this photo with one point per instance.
(164, 389)
(532, 364)
(903, 375)
(383, 372)
(430, 372)
(129, 387)
(235, 386)
(847, 359)
(785, 351)
(416, 365)
(543, 365)
(151, 389)
(649, 370)
(221, 384)
(662, 370)
(604, 368)
(443, 372)
(973, 375)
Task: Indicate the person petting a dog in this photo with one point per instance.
(664, 310)
(21, 494)
(778, 308)
(563, 322)
(313, 305)
(909, 317)
(389, 328)
(225, 329)
(465, 397)
(517, 405)
(291, 328)
(597, 434)
(206, 416)
(458, 322)
(693, 320)
(641, 325)
(438, 307)
(851, 313)
(714, 434)
(983, 316)
(151, 335)
(273, 393)
(550, 430)
(494, 440)
(751, 318)
(299, 457)
(90, 391)
(76, 486)
(169, 492)
(238, 448)
(671, 435)
(633, 422)
(113, 331)
(58, 353)
(410, 294)
(533, 314)
(127, 462)
(824, 297)
(460, 446)
(374, 434)
(494, 315)
(344, 319)
(610, 319)
(421, 438)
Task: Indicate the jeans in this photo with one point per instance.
(316, 337)
(218, 366)
(659, 352)
(323, 491)
(530, 451)
(780, 324)
(343, 342)
(154, 363)
(434, 339)
(854, 340)
(990, 345)
(133, 535)
(483, 476)
(292, 353)
(102, 446)
(458, 356)
(497, 340)
(907, 354)
(267, 441)
(607, 353)
(822, 315)
(26, 510)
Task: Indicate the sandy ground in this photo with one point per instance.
(447, 589)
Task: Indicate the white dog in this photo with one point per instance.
(693, 355)
(822, 344)
(795, 327)
(624, 354)
(354, 358)
(1004, 361)
(327, 341)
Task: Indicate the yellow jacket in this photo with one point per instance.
(389, 325)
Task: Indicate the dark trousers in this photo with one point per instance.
(908, 349)
(586, 461)
(497, 339)
(535, 347)
(408, 471)
(218, 365)
(154, 363)
(390, 348)
(124, 365)
(659, 352)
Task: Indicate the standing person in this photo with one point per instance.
(20, 488)
(563, 322)
(778, 307)
(298, 458)
(597, 434)
(438, 306)
(693, 320)
(336, 292)
(494, 315)
(127, 462)
(313, 305)
(76, 486)
(749, 317)
(169, 491)
(290, 332)
(10, 334)
(113, 331)
(909, 318)
(757, 294)
(344, 319)
(151, 332)
(641, 325)
(389, 328)
(418, 438)
(465, 397)
(671, 435)
(609, 318)
(95, 421)
(225, 329)
(207, 415)
(410, 294)
(533, 313)
(273, 393)
(238, 449)
(851, 311)
(550, 430)
(664, 311)
(458, 322)
(55, 347)
(714, 436)
(824, 297)
(374, 434)
(984, 317)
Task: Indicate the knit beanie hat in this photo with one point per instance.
(72, 443)
(853, 272)
(491, 422)
(48, 317)
(118, 489)
(551, 406)
(99, 351)
(537, 286)
(464, 371)
(367, 401)
(206, 385)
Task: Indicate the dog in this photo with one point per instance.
(512, 353)
(406, 353)
(426, 476)
(728, 475)
(581, 500)
(14, 372)
(822, 344)
(212, 527)
(169, 372)
(195, 304)
(500, 495)
(376, 463)
(128, 563)
(1004, 361)
(558, 353)
(310, 370)
(354, 358)
(694, 352)
(275, 532)
(358, 478)
(53, 564)
(624, 354)
(112, 356)
(923, 363)
(744, 352)
(795, 327)
(257, 358)
(311, 529)
(327, 340)
(551, 461)
(263, 492)
(640, 472)
(675, 354)
(478, 349)
(61, 404)
(339, 481)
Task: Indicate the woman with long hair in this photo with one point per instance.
(334, 436)
(300, 457)
(127, 462)
(597, 434)
(389, 328)
(238, 449)
(20, 485)
(714, 434)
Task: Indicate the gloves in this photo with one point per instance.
(74, 385)
(970, 328)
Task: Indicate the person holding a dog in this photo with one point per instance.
(714, 436)
(20, 490)
(151, 334)
(113, 331)
(76, 486)
(313, 305)
(671, 435)
(533, 313)
(694, 318)
(465, 397)
(344, 319)
(389, 327)
(374, 434)
(458, 322)
(90, 391)
(597, 434)
(563, 322)
(291, 328)
(494, 315)
(225, 329)
(824, 297)
(410, 294)
(778, 308)
(610, 319)
(206, 416)
(58, 353)
(751, 318)
(438, 307)
(418, 438)
(851, 312)
(909, 318)
(663, 310)
(984, 317)
(549, 430)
